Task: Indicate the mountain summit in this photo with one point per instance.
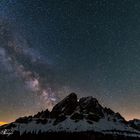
(73, 115)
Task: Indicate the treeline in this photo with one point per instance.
(66, 136)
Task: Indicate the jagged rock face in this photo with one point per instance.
(135, 124)
(71, 115)
(90, 105)
(66, 106)
(42, 114)
(86, 108)
(118, 116)
(114, 116)
(24, 119)
(109, 111)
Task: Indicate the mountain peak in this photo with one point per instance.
(73, 115)
(91, 105)
(86, 102)
(66, 106)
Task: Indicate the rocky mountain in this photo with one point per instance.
(135, 123)
(74, 115)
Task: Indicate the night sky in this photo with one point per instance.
(49, 48)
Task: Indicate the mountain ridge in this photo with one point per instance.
(74, 115)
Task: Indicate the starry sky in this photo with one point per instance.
(49, 48)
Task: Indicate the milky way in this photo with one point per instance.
(51, 48)
(16, 55)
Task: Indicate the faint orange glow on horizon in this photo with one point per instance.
(131, 117)
(2, 123)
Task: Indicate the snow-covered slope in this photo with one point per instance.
(72, 115)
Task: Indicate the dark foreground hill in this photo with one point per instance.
(83, 119)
